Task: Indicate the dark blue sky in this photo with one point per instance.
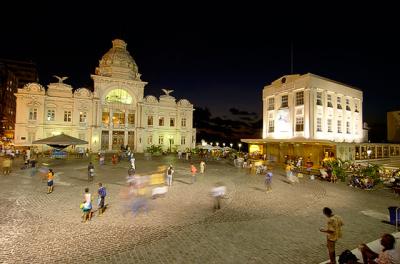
(216, 58)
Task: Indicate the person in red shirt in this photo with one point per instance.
(193, 170)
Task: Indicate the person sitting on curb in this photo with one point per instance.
(389, 254)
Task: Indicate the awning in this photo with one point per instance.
(60, 141)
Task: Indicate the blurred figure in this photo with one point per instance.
(101, 198)
(193, 170)
(87, 206)
(114, 159)
(6, 165)
(218, 193)
(50, 183)
(170, 172)
(90, 171)
(268, 181)
(202, 166)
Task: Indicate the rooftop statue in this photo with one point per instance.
(167, 92)
(60, 79)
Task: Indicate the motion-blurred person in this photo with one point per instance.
(7, 165)
(193, 171)
(218, 193)
(101, 198)
(50, 181)
(268, 180)
(202, 166)
(170, 172)
(87, 206)
(389, 254)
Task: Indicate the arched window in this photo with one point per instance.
(119, 96)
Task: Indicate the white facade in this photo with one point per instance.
(115, 114)
(312, 107)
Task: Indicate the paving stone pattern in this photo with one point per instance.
(281, 226)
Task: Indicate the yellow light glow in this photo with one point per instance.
(254, 148)
(56, 133)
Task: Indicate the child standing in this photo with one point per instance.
(268, 181)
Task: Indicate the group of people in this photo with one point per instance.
(87, 206)
(333, 230)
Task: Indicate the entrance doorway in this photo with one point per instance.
(104, 140)
(117, 139)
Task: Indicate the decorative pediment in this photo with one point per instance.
(50, 105)
(67, 106)
(34, 87)
(83, 93)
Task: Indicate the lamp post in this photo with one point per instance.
(217, 144)
(223, 144)
(170, 143)
(369, 154)
(240, 145)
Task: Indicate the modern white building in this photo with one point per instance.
(310, 116)
(312, 107)
(115, 114)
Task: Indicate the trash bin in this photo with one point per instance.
(392, 215)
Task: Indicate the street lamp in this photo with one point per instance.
(223, 144)
(170, 143)
(240, 145)
(231, 145)
(217, 144)
(369, 154)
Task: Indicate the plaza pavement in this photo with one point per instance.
(281, 226)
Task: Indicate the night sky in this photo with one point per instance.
(216, 57)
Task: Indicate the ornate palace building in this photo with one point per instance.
(116, 113)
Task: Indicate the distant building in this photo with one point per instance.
(13, 74)
(393, 126)
(115, 114)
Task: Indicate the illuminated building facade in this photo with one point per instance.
(116, 113)
(310, 116)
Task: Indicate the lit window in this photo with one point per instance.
(33, 114)
(319, 124)
(300, 98)
(329, 100)
(67, 116)
(131, 118)
(271, 103)
(299, 123)
(319, 98)
(285, 99)
(150, 120)
(348, 105)
(119, 96)
(161, 121)
(339, 103)
(270, 126)
(348, 127)
(51, 115)
(339, 126)
(329, 125)
(183, 122)
(82, 117)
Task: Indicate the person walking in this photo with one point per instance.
(50, 181)
(170, 172)
(87, 206)
(101, 198)
(193, 170)
(333, 232)
(218, 193)
(202, 166)
(268, 181)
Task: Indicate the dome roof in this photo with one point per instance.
(118, 63)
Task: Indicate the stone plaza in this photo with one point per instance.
(253, 226)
